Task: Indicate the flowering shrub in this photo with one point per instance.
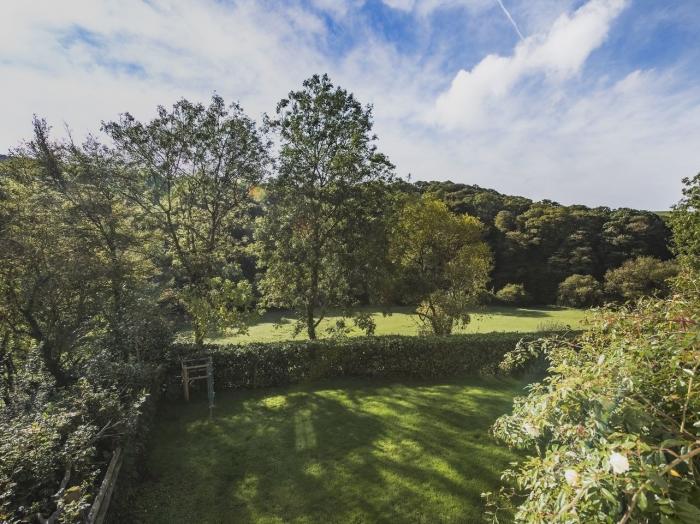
(615, 427)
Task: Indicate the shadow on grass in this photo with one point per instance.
(336, 451)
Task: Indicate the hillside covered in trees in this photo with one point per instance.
(539, 244)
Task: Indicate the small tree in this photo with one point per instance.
(513, 294)
(640, 277)
(318, 237)
(580, 291)
(442, 261)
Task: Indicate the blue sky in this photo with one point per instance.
(595, 102)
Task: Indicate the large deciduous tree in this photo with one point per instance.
(442, 261)
(324, 210)
(196, 168)
(75, 276)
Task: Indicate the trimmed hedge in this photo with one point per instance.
(259, 365)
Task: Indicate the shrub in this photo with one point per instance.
(51, 457)
(513, 294)
(614, 430)
(276, 364)
(640, 277)
(580, 291)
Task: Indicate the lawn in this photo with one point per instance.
(335, 451)
(276, 326)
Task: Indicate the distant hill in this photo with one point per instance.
(539, 244)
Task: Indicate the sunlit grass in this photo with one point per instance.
(276, 326)
(336, 451)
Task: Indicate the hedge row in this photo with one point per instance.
(260, 365)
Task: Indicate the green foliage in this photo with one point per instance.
(441, 262)
(640, 277)
(78, 323)
(192, 179)
(616, 424)
(280, 363)
(320, 239)
(513, 294)
(218, 302)
(685, 222)
(580, 291)
(62, 439)
(541, 243)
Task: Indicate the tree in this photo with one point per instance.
(75, 276)
(86, 179)
(442, 261)
(504, 221)
(640, 277)
(542, 243)
(629, 233)
(192, 173)
(52, 286)
(513, 294)
(318, 240)
(580, 291)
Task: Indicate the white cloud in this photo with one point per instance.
(558, 54)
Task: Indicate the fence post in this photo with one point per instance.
(186, 382)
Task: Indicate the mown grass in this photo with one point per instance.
(335, 451)
(275, 326)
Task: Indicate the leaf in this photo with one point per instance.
(642, 501)
(687, 512)
(608, 495)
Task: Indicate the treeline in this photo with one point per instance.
(540, 244)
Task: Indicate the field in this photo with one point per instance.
(276, 326)
(334, 451)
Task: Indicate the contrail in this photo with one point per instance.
(515, 26)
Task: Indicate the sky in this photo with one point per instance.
(578, 101)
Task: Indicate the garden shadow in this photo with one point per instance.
(335, 451)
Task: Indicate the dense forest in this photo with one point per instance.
(540, 244)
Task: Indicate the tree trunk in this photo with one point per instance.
(9, 387)
(117, 321)
(198, 334)
(52, 365)
(310, 323)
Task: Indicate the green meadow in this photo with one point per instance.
(276, 326)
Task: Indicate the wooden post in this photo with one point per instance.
(99, 508)
(210, 386)
(186, 382)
